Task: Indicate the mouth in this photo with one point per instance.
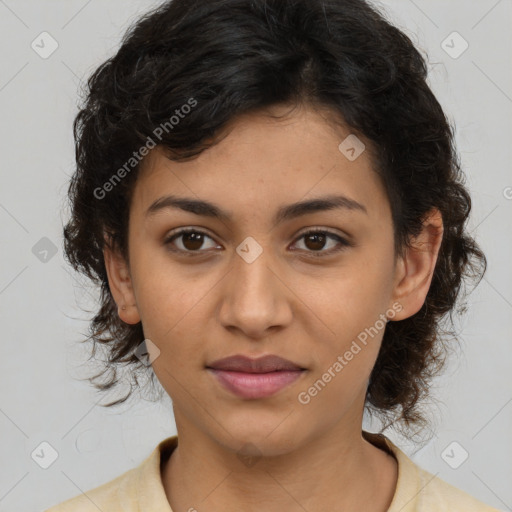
(255, 378)
(255, 385)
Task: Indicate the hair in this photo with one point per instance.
(230, 57)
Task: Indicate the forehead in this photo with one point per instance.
(259, 161)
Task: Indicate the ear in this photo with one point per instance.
(119, 280)
(414, 271)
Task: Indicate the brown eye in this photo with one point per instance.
(315, 241)
(192, 240)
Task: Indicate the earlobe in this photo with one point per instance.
(415, 269)
(120, 283)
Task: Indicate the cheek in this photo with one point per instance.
(169, 311)
(165, 291)
(352, 303)
(169, 305)
(174, 320)
(354, 297)
(344, 357)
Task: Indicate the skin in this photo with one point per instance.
(287, 302)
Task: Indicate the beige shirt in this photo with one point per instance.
(141, 489)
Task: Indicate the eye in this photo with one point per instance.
(193, 239)
(316, 240)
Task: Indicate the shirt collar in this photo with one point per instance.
(151, 492)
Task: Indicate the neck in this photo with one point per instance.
(337, 471)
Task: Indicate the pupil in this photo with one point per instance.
(194, 238)
(318, 237)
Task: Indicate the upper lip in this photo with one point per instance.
(265, 364)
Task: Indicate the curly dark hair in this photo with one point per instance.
(237, 56)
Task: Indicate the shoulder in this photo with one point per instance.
(139, 488)
(436, 494)
(105, 497)
(418, 490)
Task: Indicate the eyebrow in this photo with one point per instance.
(287, 212)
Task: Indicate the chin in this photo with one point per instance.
(261, 439)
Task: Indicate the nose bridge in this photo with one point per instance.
(254, 299)
(251, 267)
(251, 273)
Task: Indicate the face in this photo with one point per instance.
(254, 283)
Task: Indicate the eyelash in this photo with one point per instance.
(316, 254)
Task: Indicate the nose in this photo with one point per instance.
(255, 298)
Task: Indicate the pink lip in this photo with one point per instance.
(255, 385)
(263, 364)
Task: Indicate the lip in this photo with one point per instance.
(255, 378)
(264, 364)
(256, 385)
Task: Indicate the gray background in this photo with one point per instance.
(42, 397)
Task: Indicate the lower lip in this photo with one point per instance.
(255, 385)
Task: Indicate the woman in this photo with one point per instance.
(269, 196)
